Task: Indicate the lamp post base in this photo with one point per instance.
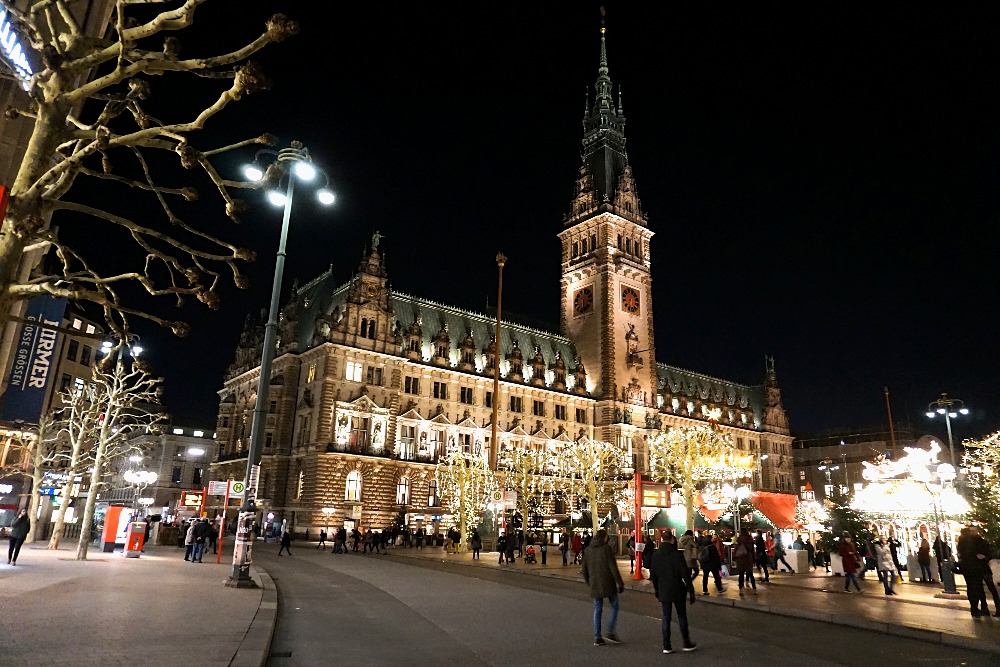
(232, 582)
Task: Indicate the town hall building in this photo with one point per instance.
(370, 386)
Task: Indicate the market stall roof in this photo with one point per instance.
(779, 508)
(663, 520)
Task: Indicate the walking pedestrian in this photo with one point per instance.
(974, 565)
(851, 561)
(476, 542)
(502, 548)
(202, 529)
(810, 555)
(543, 545)
(630, 545)
(743, 555)
(564, 547)
(286, 543)
(189, 541)
(420, 537)
(577, 547)
(322, 539)
(763, 560)
(924, 559)
(648, 548)
(688, 545)
(886, 567)
(19, 529)
(983, 547)
(779, 555)
(213, 536)
(671, 580)
(600, 571)
(894, 545)
(711, 564)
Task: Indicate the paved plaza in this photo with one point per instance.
(161, 610)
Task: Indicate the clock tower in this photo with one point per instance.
(607, 302)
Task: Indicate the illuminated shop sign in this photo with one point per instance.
(10, 47)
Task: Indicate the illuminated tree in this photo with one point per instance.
(126, 398)
(466, 482)
(597, 471)
(982, 459)
(531, 474)
(690, 455)
(91, 115)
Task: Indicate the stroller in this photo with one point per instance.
(529, 554)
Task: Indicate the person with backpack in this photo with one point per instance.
(687, 544)
(711, 564)
(763, 560)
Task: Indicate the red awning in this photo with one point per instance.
(779, 508)
(711, 515)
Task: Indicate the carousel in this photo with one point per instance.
(912, 498)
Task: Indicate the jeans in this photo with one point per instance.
(704, 579)
(599, 609)
(682, 620)
(197, 549)
(762, 564)
(888, 578)
(749, 579)
(14, 548)
(977, 596)
(925, 572)
(848, 578)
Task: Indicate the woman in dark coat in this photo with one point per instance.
(711, 565)
(18, 533)
(924, 560)
(743, 554)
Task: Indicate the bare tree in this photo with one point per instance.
(120, 144)
(77, 426)
(529, 472)
(690, 455)
(595, 470)
(126, 398)
(466, 481)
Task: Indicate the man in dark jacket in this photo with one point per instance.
(763, 560)
(974, 563)
(711, 565)
(670, 576)
(202, 530)
(600, 571)
(19, 530)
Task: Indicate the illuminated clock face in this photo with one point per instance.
(583, 301)
(630, 300)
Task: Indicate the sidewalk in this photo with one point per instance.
(113, 610)
(914, 612)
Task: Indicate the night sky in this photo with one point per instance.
(821, 180)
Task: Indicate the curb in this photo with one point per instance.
(883, 627)
(255, 648)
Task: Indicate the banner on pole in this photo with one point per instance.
(35, 359)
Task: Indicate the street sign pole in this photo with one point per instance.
(639, 537)
(222, 523)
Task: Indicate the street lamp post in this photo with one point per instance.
(950, 408)
(288, 165)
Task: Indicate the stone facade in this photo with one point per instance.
(370, 385)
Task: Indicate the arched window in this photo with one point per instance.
(353, 490)
(364, 327)
(403, 491)
(371, 329)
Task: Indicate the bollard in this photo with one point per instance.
(948, 577)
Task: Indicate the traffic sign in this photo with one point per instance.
(237, 489)
(217, 487)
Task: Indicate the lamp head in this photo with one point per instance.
(253, 172)
(930, 415)
(276, 197)
(304, 171)
(964, 411)
(325, 196)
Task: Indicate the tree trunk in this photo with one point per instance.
(592, 499)
(37, 473)
(689, 507)
(95, 480)
(57, 530)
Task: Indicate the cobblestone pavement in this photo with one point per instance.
(157, 609)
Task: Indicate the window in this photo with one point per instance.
(199, 434)
(581, 416)
(489, 399)
(593, 242)
(91, 329)
(311, 374)
(374, 376)
(359, 432)
(619, 241)
(437, 442)
(466, 395)
(403, 491)
(353, 489)
(576, 249)
(407, 440)
(65, 383)
(196, 477)
(73, 350)
(411, 385)
(465, 440)
(77, 323)
(516, 404)
(538, 408)
(272, 407)
(86, 354)
(269, 439)
(739, 443)
(352, 372)
(225, 422)
(78, 384)
(560, 412)
(802, 474)
(175, 475)
(433, 500)
(441, 390)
